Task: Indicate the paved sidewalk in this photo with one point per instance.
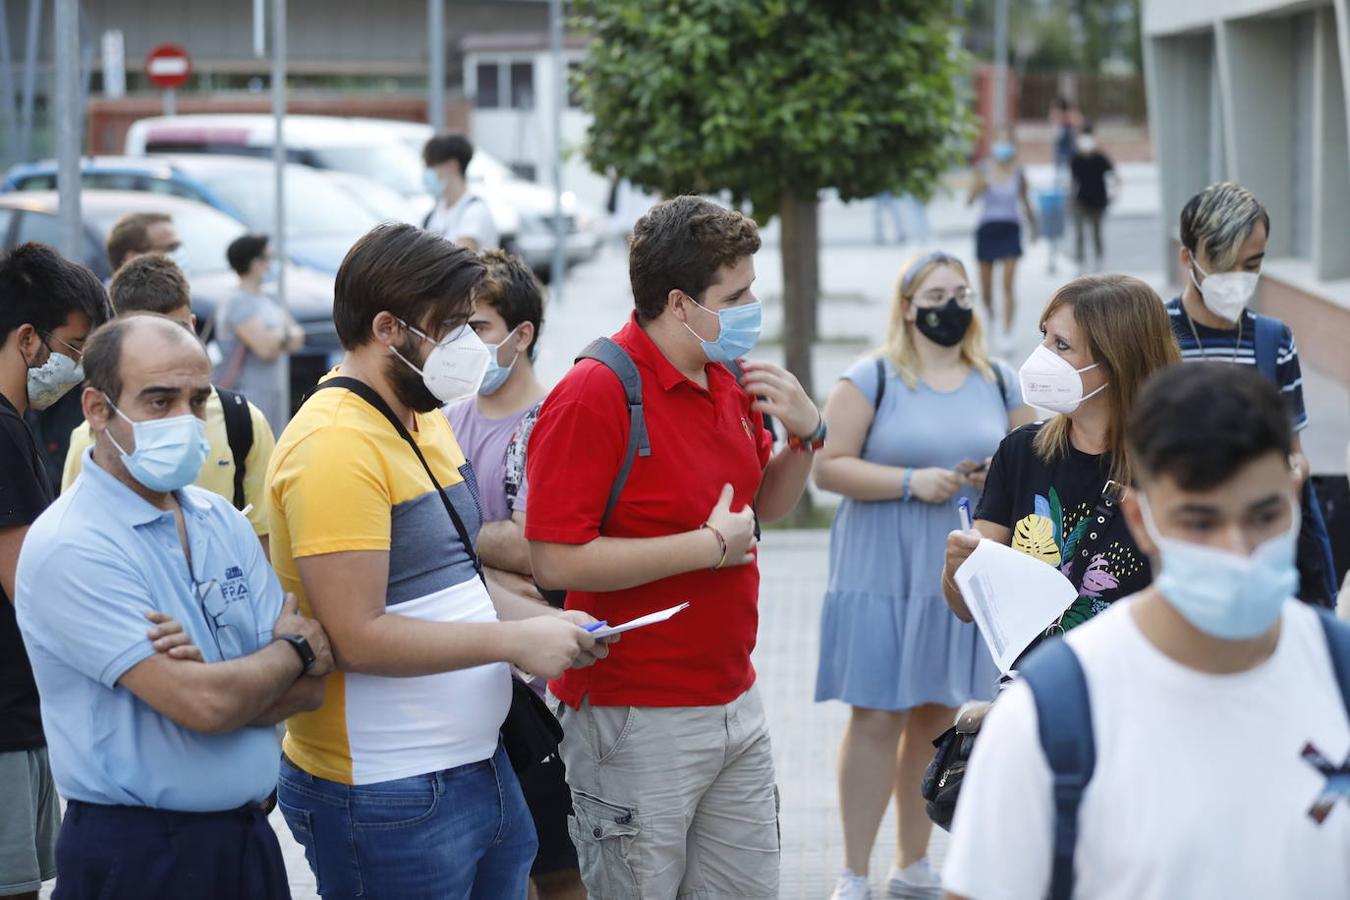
(805, 734)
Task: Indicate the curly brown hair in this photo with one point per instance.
(681, 244)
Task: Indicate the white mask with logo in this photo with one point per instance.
(1226, 294)
(1050, 382)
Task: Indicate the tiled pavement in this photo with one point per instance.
(805, 734)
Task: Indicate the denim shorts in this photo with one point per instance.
(457, 833)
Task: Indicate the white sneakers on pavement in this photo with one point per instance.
(851, 887)
(917, 881)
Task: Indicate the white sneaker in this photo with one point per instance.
(917, 881)
(851, 887)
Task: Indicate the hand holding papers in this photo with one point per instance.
(1013, 598)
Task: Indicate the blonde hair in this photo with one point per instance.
(1129, 335)
(900, 347)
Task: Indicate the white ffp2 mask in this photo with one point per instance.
(1050, 382)
(1226, 294)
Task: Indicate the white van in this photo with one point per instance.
(389, 152)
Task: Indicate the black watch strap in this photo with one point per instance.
(302, 649)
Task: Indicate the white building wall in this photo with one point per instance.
(1255, 91)
(524, 136)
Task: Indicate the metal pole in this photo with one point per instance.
(1000, 68)
(436, 64)
(170, 102)
(68, 111)
(555, 40)
(259, 28)
(279, 145)
(11, 118)
(29, 79)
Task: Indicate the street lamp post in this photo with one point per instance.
(68, 113)
(555, 36)
(436, 64)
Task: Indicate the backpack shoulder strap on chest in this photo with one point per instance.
(1064, 718)
(1267, 345)
(613, 357)
(239, 435)
(1338, 643)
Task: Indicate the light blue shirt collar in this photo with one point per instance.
(122, 503)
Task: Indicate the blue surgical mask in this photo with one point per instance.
(1003, 151)
(1226, 595)
(432, 183)
(738, 330)
(497, 374)
(169, 452)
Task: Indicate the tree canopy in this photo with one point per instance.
(770, 98)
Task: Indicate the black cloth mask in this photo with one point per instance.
(946, 325)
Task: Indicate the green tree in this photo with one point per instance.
(774, 101)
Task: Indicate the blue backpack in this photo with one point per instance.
(1316, 563)
(1064, 716)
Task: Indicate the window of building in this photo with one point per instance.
(488, 92)
(522, 85)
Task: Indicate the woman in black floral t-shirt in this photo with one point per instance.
(1104, 336)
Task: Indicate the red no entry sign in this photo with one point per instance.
(168, 66)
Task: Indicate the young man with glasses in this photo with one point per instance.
(399, 786)
(47, 306)
(167, 755)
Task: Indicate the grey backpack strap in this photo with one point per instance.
(613, 357)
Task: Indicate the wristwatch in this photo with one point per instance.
(302, 647)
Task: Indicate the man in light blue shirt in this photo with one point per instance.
(166, 761)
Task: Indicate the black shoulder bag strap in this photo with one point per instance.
(239, 435)
(368, 394)
(1094, 532)
(612, 356)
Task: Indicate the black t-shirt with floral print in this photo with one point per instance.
(1047, 506)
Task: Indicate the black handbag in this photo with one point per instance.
(530, 733)
(941, 784)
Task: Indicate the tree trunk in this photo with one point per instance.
(800, 283)
(801, 248)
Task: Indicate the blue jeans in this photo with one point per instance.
(460, 834)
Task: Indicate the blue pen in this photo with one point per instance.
(963, 506)
(595, 626)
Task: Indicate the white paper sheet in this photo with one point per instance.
(642, 622)
(1013, 597)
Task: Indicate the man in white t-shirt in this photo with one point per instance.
(460, 215)
(1222, 746)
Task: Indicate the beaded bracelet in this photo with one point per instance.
(904, 485)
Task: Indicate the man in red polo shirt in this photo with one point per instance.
(666, 746)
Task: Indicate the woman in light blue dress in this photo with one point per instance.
(911, 432)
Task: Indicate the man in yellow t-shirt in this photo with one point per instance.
(399, 785)
(155, 284)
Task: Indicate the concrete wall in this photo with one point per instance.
(1255, 91)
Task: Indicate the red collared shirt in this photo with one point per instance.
(701, 440)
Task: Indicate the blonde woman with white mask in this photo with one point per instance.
(912, 429)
